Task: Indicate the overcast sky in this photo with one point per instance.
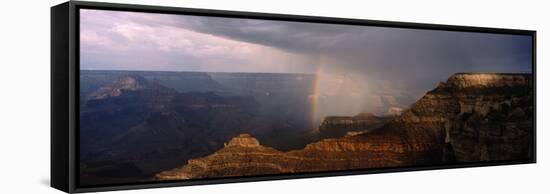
(393, 58)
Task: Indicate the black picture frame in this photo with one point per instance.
(65, 87)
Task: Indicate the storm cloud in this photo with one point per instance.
(408, 54)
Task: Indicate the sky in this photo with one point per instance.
(383, 61)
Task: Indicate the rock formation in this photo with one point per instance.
(338, 126)
(243, 156)
(474, 117)
(471, 117)
(124, 83)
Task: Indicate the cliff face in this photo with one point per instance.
(494, 126)
(469, 118)
(473, 117)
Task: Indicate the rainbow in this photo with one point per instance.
(315, 93)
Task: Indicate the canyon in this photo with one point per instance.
(134, 124)
(471, 117)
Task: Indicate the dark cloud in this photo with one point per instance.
(346, 39)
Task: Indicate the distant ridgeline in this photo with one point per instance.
(218, 82)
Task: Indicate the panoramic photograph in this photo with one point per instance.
(165, 97)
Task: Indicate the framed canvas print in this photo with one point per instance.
(148, 96)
